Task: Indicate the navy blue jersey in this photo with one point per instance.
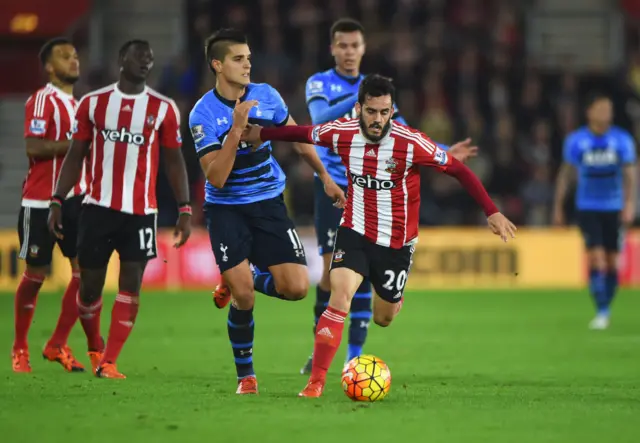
(256, 175)
(599, 160)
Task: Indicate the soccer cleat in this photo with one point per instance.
(95, 357)
(313, 389)
(306, 369)
(64, 356)
(247, 385)
(20, 359)
(109, 370)
(221, 296)
(599, 323)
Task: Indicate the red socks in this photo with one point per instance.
(69, 313)
(328, 337)
(25, 304)
(123, 316)
(90, 319)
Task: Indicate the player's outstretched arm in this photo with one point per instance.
(217, 165)
(566, 176)
(310, 156)
(498, 223)
(256, 135)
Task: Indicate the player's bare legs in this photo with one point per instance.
(56, 349)
(240, 325)
(344, 283)
(291, 280)
(384, 312)
(286, 281)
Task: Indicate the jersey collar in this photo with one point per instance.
(117, 90)
(231, 103)
(59, 91)
(346, 78)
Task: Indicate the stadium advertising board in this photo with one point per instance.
(445, 258)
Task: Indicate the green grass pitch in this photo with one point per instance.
(518, 366)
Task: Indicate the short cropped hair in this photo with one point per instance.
(47, 49)
(375, 85)
(216, 46)
(346, 25)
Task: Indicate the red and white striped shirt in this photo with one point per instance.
(49, 115)
(384, 180)
(126, 132)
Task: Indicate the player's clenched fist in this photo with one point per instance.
(241, 113)
(500, 225)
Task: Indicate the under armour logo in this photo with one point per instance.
(224, 248)
(331, 234)
(299, 252)
(222, 121)
(336, 88)
(258, 113)
(245, 351)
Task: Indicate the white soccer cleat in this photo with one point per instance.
(599, 323)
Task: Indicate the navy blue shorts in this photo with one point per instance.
(327, 218)
(261, 232)
(601, 229)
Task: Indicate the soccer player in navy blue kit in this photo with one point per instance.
(245, 211)
(330, 95)
(603, 158)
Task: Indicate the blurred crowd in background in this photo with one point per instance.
(461, 70)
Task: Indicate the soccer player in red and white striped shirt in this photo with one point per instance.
(49, 116)
(379, 226)
(121, 128)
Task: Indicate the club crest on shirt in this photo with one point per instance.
(391, 166)
(151, 120)
(338, 256)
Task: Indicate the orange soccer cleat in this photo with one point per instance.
(109, 370)
(95, 357)
(64, 356)
(20, 358)
(247, 385)
(313, 389)
(221, 296)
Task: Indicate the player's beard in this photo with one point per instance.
(374, 138)
(68, 79)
